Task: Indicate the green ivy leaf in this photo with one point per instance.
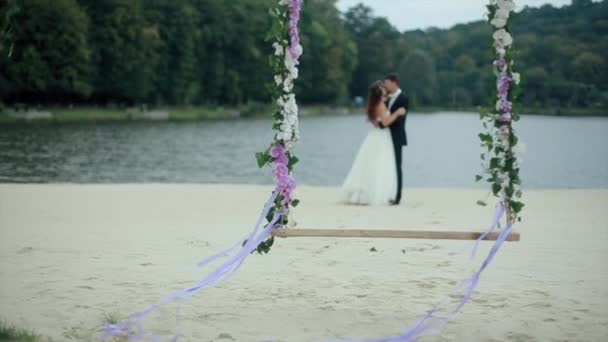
(516, 206)
(481, 203)
(486, 138)
(514, 140)
(496, 189)
(510, 191)
(270, 214)
(277, 116)
(263, 158)
(478, 178)
(295, 203)
(293, 160)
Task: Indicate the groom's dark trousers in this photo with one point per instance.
(399, 139)
(399, 160)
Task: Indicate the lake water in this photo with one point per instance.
(443, 151)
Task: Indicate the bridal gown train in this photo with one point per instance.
(372, 179)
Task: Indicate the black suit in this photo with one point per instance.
(399, 138)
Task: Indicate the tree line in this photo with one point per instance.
(210, 52)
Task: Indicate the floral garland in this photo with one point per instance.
(284, 61)
(499, 141)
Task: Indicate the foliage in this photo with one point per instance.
(209, 52)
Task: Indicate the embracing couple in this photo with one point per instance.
(376, 176)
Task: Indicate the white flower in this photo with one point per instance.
(278, 79)
(292, 119)
(501, 52)
(287, 85)
(516, 77)
(501, 17)
(289, 103)
(294, 73)
(286, 128)
(278, 49)
(289, 124)
(291, 64)
(502, 13)
(503, 38)
(499, 22)
(284, 136)
(507, 5)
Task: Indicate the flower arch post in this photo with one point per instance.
(287, 51)
(500, 144)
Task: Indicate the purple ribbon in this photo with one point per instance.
(133, 328)
(430, 324)
(498, 213)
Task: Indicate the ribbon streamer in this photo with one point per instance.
(429, 324)
(133, 328)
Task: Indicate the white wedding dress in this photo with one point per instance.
(372, 179)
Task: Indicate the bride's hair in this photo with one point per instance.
(374, 98)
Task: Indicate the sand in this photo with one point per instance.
(72, 254)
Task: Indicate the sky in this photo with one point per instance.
(421, 14)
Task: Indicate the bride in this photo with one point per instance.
(372, 179)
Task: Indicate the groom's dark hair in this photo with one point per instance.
(392, 78)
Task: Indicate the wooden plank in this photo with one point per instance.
(388, 234)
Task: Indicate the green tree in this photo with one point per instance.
(588, 67)
(329, 57)
(419, 78)
(375, 39)
(122, 61)
(51, 58)
(176, 78)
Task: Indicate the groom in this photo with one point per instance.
(395, 100)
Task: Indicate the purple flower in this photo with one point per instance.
(282, 159)
(295, 48)
(280, 170)
(506, 117)
(277, 151)
(286, 185)
(505, 105)
(279, 154)
(503, 84)
(291, 184)
(500, 63)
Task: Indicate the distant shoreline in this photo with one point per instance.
(177, 114)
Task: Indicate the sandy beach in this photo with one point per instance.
(72, 254)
